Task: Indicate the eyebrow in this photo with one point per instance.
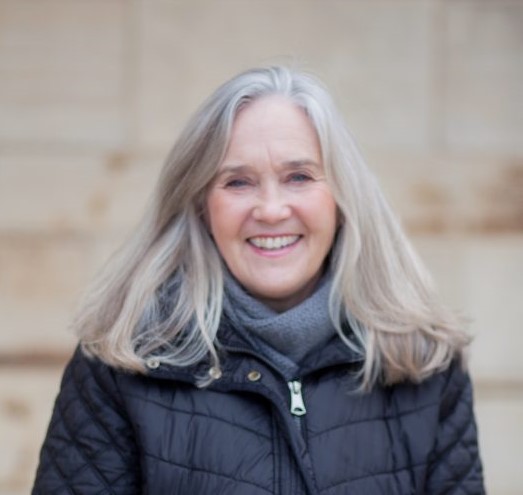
(301, 163)
(233, 169)
(243, 168)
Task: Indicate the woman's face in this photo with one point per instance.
(269, 209)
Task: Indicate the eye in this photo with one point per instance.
(236, 183)
(299, 177)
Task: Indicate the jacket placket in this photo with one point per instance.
(296, 473)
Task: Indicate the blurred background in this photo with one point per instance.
(94, 92)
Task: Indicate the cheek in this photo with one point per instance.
(222, 217)
(323, 214)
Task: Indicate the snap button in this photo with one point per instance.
(253, 376)
(215, 373)
(153, 363)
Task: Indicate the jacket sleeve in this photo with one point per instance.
(89, 447)
(455, 467)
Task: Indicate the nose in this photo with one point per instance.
(272, 205)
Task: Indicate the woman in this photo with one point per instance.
(268, 329)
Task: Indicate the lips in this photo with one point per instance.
(273, 242)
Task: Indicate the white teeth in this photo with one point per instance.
(273, 242)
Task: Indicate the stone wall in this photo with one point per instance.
(93, 93)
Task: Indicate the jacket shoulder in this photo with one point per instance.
(89, 442)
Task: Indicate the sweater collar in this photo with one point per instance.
(286, 338)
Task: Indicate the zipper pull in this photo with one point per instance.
(297, 405)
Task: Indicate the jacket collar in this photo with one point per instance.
(236, 351)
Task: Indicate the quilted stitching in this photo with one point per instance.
(89, 444)
(108, 428)
(456, 467)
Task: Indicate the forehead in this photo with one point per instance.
(266, 112)
(274, 124)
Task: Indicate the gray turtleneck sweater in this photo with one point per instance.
(282, 338)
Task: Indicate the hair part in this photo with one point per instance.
(161, 294)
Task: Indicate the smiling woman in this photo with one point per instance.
(268, 329)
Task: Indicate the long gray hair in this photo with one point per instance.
(380, 286)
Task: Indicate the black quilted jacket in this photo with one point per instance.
(116, 433)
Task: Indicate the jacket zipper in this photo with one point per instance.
(298, 410)
(297, 404)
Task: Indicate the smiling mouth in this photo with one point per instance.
(273, 243)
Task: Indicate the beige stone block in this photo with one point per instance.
(493, 271)
(483, 85)
(476, 193)
(62, 75)
(482, 278)
(443, 257)
(64, 193)
(375, 56)
(41, 281)
(500, 423)
(26, 402)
